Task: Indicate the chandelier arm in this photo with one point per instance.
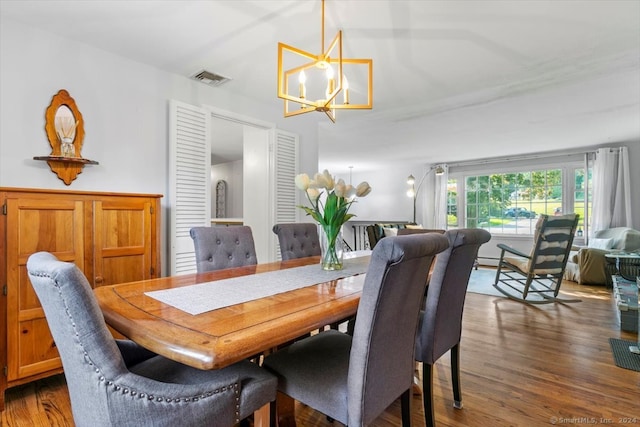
(331, 114)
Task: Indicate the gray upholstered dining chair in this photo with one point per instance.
(223, 247)
(440, 327)
(117, 382)
(297, 240)
(353, 379)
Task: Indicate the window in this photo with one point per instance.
(511, 202)
(452, 203)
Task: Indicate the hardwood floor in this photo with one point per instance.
(521, 366)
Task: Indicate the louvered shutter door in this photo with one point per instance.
(285, 170)
(189, 175)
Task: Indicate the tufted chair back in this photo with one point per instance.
(223, 247)
(353, 379)
(117, 382)
(440, 327)
(297, 240)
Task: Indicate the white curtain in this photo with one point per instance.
(440, 199)
(611, 189)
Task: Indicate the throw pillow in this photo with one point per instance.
(414, 226)
(601, 243)
(390, 232)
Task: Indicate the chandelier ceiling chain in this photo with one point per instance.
(323, 95)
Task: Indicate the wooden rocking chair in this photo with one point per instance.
(536, 278)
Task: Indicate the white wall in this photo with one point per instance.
(256, 195)
(230, 172)
(125, 108)
(387, 202)
(388, 198)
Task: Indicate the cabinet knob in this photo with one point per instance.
(99, 280)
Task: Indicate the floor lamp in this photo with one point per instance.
(414, 189)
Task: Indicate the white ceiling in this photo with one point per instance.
(453, 80)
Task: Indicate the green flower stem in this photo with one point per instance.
(331, 216)
(330, 258)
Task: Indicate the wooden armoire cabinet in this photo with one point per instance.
(111, 237)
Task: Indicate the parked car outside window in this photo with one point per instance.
(519, 213)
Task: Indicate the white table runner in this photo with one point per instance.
(203, 297)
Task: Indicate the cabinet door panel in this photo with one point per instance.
(38, 351)
(27, 297)
(43, 227)
(123, 231)
(36, 225)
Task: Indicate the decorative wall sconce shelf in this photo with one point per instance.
(66, 168)
(66, 160)
(65, 131)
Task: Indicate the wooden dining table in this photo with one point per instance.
(223, 336)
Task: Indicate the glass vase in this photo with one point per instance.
(331, 245)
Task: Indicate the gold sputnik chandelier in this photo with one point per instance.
(309, 82)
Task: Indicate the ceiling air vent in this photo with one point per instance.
(210, 78)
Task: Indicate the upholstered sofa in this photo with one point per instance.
(589, 266)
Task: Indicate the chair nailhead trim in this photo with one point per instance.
(125, 390)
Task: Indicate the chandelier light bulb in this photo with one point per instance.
(329, 72)
(345, 89)
(331, 83)
(302, 79)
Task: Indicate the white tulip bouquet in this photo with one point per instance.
(334, 212)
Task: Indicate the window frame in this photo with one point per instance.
(567, 169)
